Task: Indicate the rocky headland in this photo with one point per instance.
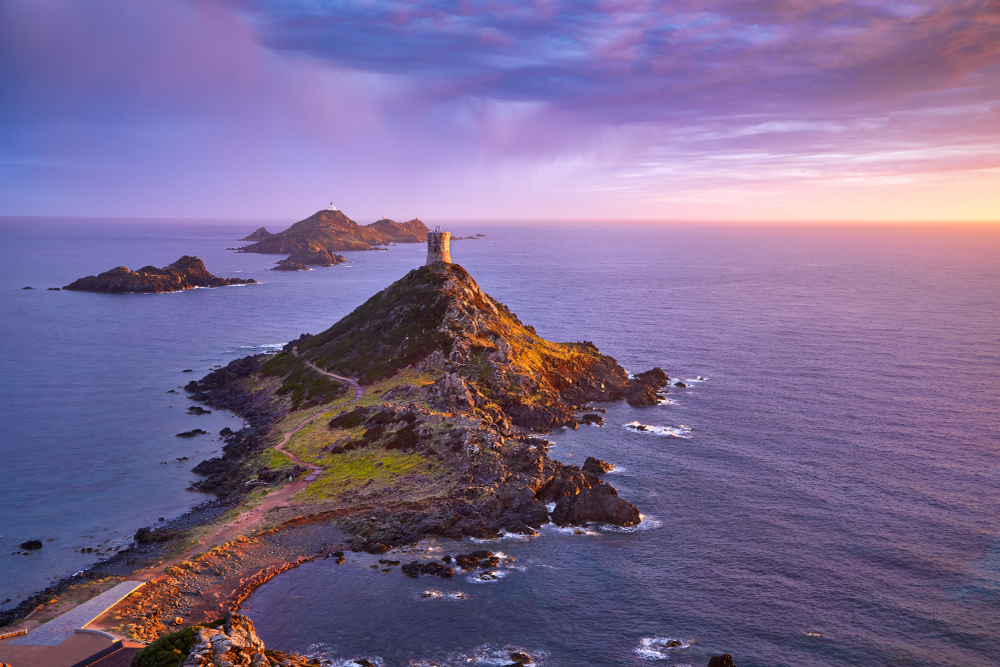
(444, 436)
(422, 413)
(334, 232)
(186, 273)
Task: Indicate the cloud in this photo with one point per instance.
(602, 105)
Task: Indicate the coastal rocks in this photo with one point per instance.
(316, 255)
(482, 558)
(150, 535)
(198, 410)
(415, 569)
(592, 418)
(192, 433)
(597, 466)
(582, 497)
(31, 544)
(289, 265)
(236, 644)
(186, 273)
(724, 660)
(643, 388)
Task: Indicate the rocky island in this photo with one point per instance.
(186, 273)
(335, 232)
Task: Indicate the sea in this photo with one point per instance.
(825, 491)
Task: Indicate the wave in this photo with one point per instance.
(660, 648)
(439, 595)
(323, 650)
(645, 523)
(570, 530)
(679, 431)
(487, 577)
(486, 655)
(265, 346)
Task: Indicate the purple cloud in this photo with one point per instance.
(586, 108)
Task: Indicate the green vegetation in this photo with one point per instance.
(396, 328)
(306, 386)
(172, 649)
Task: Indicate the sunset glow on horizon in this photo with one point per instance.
(780, 111)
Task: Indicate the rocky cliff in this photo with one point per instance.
(335, 232)
(457, 388)
(186, 273)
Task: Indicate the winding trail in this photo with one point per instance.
(242, 523)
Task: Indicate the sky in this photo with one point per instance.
(462, 109)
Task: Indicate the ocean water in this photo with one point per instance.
(826, 495)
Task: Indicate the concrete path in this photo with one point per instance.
(62, 627)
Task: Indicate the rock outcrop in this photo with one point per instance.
(236, 644)
(724, 660)
(316, 255)
(596, 466)
(334, 231)
(289, 265)
(186, 273)
(260, 235)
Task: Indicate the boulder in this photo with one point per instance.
(591, 418)
(724, 660)
(642, 389)
(236, 643)
(582, 497)
(596, 466)
(31, 544)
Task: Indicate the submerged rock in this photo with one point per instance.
(31, 544)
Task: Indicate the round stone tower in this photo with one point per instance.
(438, 246)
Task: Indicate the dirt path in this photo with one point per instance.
(277, 498)
(351, 381)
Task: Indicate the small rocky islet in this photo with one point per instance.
(186, 273)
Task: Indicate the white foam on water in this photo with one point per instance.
(265, 346)
(645, 523)
(550, 507)
(487, 655)
(655, 648)
(441, 595)
(666, 401)
(323, 650)
(617, 470)
(504, 535)
(488, 577)
(571, 530)
(679, 431)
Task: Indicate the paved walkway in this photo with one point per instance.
(62, 627)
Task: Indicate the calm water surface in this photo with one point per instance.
(826, 497)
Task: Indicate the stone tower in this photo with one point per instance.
(438, 246)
